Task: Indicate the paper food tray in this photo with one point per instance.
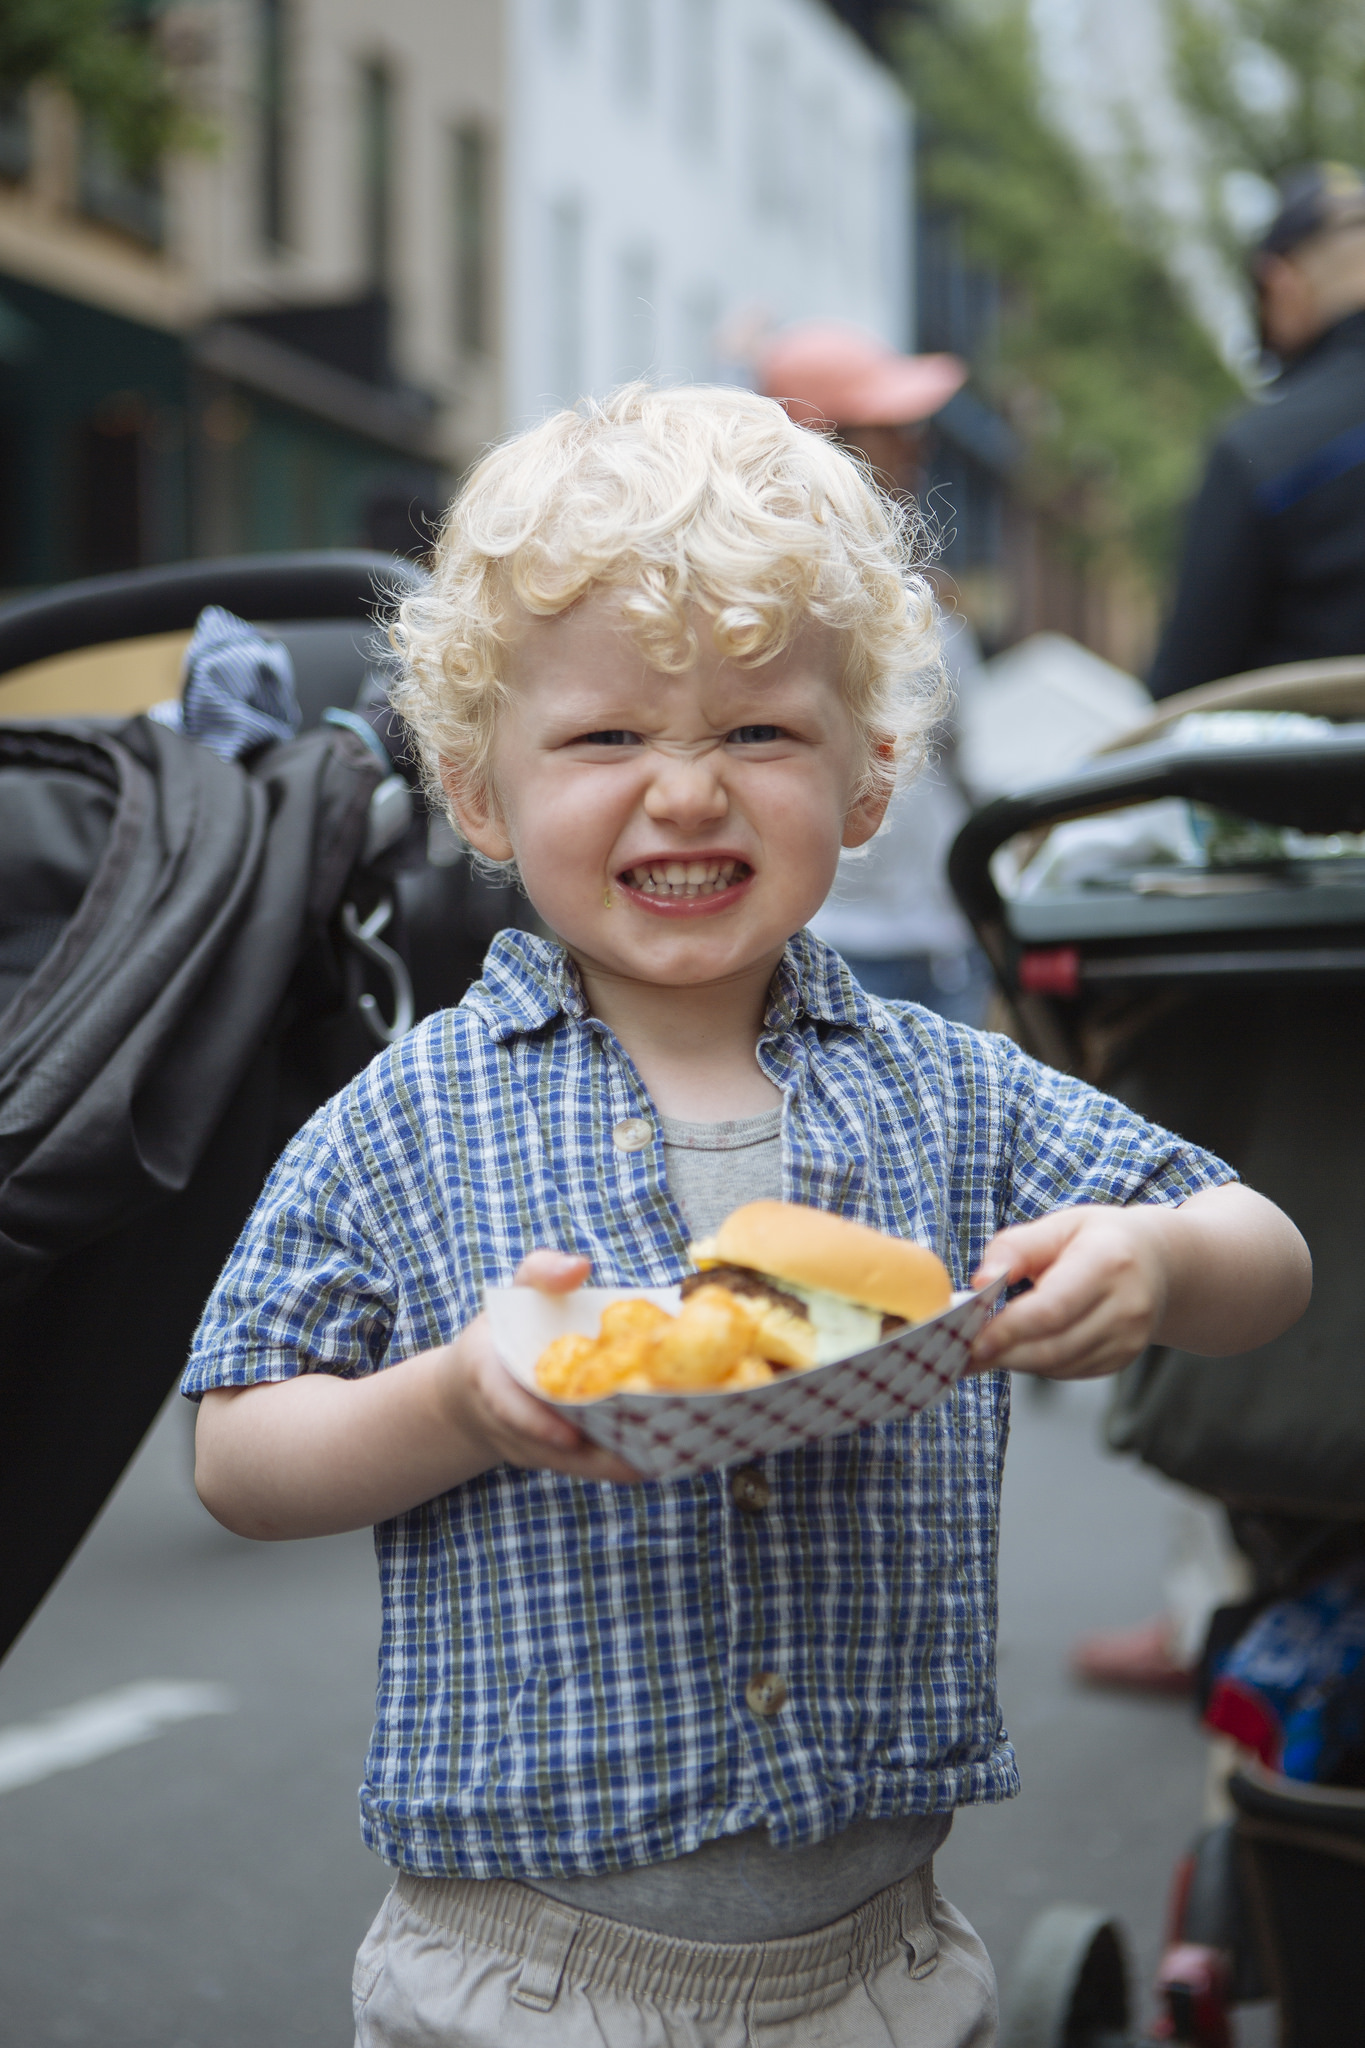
(664, 1434)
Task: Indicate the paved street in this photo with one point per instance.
(207, 1887)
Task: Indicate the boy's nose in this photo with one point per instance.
(685, 790)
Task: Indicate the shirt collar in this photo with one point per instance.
(528, 982)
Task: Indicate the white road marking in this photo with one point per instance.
(72, 1736)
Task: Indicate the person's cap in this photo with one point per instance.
(826, 370)
(1313, 199)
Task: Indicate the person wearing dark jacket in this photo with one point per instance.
(1274, 561)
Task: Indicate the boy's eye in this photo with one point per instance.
(608, 739)
(756, 735)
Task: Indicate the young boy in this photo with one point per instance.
(667, 1762)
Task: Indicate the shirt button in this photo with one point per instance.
(766, 1693)
(750, 1490)
(632, 1134)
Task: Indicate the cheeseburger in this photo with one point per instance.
(820, 1287)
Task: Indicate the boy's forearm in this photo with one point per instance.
(317, 1455)
(1239, 1272)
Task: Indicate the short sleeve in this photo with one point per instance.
(1071, 1144)
(307, 1287)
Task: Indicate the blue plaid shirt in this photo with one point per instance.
(563, 1665)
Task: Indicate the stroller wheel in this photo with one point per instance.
(1069, 1985)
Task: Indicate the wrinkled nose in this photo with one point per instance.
(686, 791)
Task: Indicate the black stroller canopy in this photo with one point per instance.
(176, 995)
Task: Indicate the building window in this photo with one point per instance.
(634, 42)
(768, 127)
(564, 300)
(825, 186)
(274, 70)
(110, 486)
(636, 326)
(473, 197)
(376, 173)
(700, 318)
(697, 72)
(15, 141)
(131, 201)
(565, 18)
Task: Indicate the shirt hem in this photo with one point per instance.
(480, 1846)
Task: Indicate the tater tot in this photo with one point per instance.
(784, 1338)
(626, 1343)
(609, 1367)
(705, 1342)
(719, 1341)
(560, 1363)
(750, 1372)
(631, 1320)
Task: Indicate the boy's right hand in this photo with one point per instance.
(490, 1408)
(318, 1453)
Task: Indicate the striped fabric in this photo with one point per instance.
(238, 688)
(563, 1666)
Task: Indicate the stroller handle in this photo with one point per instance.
(341, 583)
(1317, 787)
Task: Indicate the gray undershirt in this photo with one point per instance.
(741, 1888)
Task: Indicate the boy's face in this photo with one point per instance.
(673, 829)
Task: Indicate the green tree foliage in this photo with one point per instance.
(1269, 84)
(1109, 379)
(106, 54)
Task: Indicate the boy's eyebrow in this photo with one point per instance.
(568, 720)
(617, 704)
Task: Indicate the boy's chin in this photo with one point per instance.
(677, 956)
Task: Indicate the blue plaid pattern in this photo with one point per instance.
(563, 1666)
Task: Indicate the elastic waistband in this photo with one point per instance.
(552, 1941)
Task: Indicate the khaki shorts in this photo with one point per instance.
(455, 1964)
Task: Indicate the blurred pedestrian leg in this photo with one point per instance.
(1206, 1571)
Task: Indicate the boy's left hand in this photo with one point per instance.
(1099, 1293)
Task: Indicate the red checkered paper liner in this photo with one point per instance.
(664, 1434)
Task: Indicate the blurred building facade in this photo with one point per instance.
(414, 224)
(681, 170)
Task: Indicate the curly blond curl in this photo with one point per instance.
(692, 502)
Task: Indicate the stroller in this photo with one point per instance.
(1182, 922)
(193, 956)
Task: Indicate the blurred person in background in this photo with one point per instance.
(1274, 560)
(891, 913)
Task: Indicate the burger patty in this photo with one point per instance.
(744, 1280)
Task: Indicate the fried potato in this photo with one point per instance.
(704, 1342)
(782, 1337)
(750, 1372)
(718, 1340)
(559, 1364)
(625, 1322)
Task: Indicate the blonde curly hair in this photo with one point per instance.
(688, 501)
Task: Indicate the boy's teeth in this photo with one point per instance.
(683, 878)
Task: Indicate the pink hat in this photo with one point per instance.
(824, 369)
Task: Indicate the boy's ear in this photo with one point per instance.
(476, 813)
(862, 821)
